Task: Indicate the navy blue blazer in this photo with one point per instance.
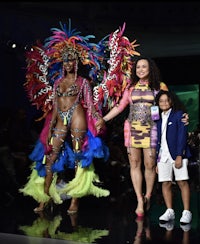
(176, 135)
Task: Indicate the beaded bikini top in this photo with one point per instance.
(73, 90)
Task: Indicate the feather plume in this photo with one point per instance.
(117, 76)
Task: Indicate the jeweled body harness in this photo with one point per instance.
(66, 117)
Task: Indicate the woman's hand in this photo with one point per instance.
(185, 119)
(100, 124)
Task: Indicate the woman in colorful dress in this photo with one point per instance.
(140, 134)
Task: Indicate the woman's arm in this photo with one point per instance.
(53, 121)
(114, 111)
(110, 115)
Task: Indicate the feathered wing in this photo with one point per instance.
(117, 76)
(110, 63)
(37, 85)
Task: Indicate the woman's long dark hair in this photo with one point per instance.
(154, 73)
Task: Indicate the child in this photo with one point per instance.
(172, 156)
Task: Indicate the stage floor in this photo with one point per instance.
(109, 220)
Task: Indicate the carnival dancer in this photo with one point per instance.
(69, 138)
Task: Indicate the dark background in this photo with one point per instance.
(167, 31)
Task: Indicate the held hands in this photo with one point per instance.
(100, 124)
(185, 119)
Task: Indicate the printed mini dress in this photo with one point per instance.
(143, 132)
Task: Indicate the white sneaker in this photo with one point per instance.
(168, 215)
(186, 217)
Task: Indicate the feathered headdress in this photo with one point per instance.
(45, 62)
(117, 77)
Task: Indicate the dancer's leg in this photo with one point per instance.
(78, 131)
(57, 144)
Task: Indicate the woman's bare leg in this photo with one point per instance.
(48, 179)
(73, 208)
(134, 155)
(78, 131)
(51, 158)
(149, 174)
(40, 208)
